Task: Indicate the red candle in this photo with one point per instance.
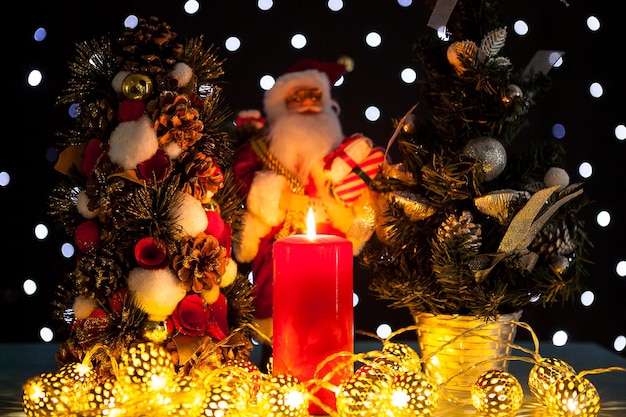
(313, 315)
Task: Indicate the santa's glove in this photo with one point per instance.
(264, 196)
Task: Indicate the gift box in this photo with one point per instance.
(351, 167)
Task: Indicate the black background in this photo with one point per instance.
(31, 119)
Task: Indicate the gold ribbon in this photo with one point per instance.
(525, 226)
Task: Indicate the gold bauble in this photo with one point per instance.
(399, 357)
(145, 368)
(544, 374)
(283, 396)
(137, 86)
(412, 394)
(362, 394)
(497, 394)
(572, 395)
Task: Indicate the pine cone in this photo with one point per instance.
(461, 232)
(554, 240)
(151, 48)
(177, 120)
(200, 176)
(201, 262)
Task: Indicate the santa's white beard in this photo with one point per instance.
(299, 141)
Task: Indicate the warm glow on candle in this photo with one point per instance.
(310, 224)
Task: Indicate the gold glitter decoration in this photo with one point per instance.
(414, 206)
(501, 204)
(497, 394)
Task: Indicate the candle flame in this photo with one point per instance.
(310, 224)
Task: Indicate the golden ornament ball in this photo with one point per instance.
(223, 397)
(145, 368)
(283, 396)
(190, 398)
(45, 395)
(413, 394)
(571, 395)
(137, 86)
(362, 394)
(399, 357)
(544, 374)
(497, 393)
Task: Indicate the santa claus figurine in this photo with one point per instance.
(298, 158)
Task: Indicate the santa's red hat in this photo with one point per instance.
(307, 73)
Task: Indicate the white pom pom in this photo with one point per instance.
(182, 73)
(173, 150)
(133, 142)
(117, 81)
(556, 176)
(157, 291)
(82, 202)
(230, 274)
(210, 296)
(83, 307)
(190, 215)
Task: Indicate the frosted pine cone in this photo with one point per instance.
(462, 230)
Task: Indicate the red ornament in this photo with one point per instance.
(151, 253)
(87, 236)
(156, 168)
(191, 316)
(93, 150)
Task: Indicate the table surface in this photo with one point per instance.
(22, 361)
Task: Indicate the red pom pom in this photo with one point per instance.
(87, 236)
(117, 300)
(156, 168)
(191, 316)
(220, 229)
(151, 253)
(219, 309)
(92, 153)
(131, 110)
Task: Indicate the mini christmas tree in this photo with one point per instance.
(147, 198)
(471, 221)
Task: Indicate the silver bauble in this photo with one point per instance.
(489, 153)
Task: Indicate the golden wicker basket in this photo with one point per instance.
(456, 349)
